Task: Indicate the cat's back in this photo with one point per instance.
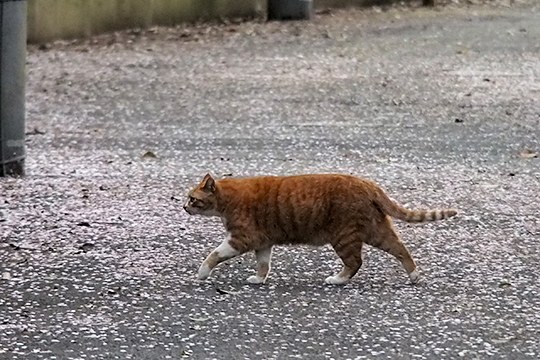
(292, 206)
(302, 185)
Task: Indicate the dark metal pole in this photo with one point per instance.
(12, 85)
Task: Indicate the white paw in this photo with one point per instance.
(336, 280)
(254, 279)
(414, 276)
(204, 272)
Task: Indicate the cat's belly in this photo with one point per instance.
(307, 239)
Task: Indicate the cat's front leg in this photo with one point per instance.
(264, 257)
(223, 252)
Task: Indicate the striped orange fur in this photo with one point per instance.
(341, 210)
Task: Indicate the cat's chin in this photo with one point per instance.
(209, 213)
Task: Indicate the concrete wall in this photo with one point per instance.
(63, 19)
(322, 4)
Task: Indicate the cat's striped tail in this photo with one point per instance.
(395, 210)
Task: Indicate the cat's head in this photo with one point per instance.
(202, 199)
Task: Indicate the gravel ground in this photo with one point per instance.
(441, 107)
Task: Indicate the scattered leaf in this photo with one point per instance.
(325, 11)
(149, 155)
(503, 340)
(187, 353)
(85, 193)
(113, 291)
(19, 247)
(226, 292)
(326, 34)
(87, 246)
(528, 154)
(35, 131)
(199, 319)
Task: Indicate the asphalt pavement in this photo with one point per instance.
(439, 106)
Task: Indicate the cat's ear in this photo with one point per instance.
(208, 183)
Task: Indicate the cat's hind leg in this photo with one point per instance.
(223, 252)
(349, 249)
(388, 240)
(264, 257)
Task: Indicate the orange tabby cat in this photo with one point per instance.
(344, 211)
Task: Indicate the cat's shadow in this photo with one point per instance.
(294, 287)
